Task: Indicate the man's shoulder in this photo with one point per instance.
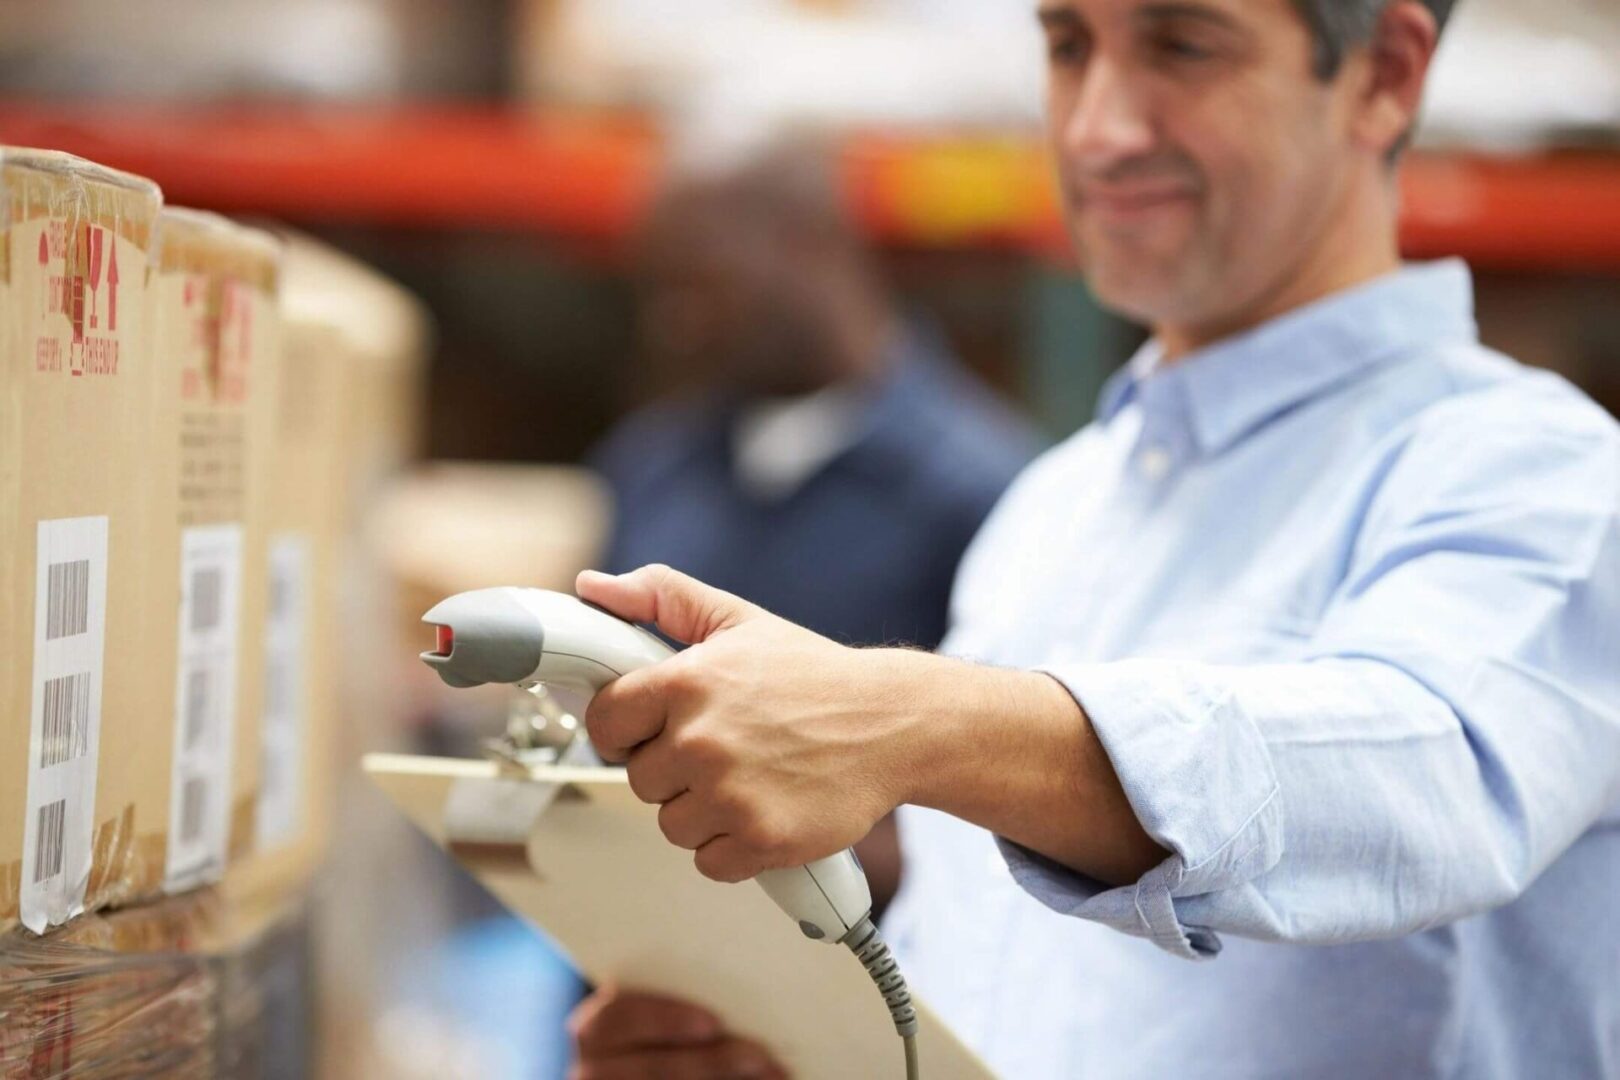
(1489, 399)
(1505, 442)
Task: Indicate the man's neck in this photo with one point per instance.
(1360, 245)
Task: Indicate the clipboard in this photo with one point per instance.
(573, 851)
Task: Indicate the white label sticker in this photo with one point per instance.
(281, 763)
(205, 705)
(64, 735)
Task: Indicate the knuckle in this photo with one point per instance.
(761, 835)
(732, 804)
(682, 678)
(698, 747)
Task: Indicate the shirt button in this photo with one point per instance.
(1155, 462)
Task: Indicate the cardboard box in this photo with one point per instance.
(308, 516)
(81, 818)
(354, 354)
(385, 334)
(216, 335)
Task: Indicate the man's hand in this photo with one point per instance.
(767, 746)
(764, 744)
(624, 1035)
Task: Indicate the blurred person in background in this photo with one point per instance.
(1286, 738)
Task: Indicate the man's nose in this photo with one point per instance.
(1109, 120)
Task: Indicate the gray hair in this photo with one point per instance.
(1337, 26)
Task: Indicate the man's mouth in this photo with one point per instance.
(1135, 201)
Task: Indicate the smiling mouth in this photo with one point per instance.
(1126, 203)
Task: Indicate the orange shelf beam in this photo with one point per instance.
(589, 176)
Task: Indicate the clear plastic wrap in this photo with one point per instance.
(161, 990)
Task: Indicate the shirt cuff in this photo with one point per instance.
(1199, 776)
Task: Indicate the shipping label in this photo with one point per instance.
(205, 704)
(64, 735)
(284, 717)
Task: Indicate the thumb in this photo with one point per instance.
(682, 607)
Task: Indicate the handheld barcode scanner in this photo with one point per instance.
(532, 637)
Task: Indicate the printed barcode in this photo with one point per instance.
(66, 723)
(193, 803)
(197, 686)
(280, 587)
(277, 687)
(67, 599)
(205, 587)
(270, 780)
(48, 840)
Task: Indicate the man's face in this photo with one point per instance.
(726, 300)
(1200, 158)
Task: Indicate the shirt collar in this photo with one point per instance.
(1231, 387)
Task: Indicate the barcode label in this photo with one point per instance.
(66, 719)
(67, 603)
(281, 746)
(281, 594)
(64, 733)
(193, 807)
(195, 708)
(205, 704)
(205, 596)
(49, 847)
(278, 688)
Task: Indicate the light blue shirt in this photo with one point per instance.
(1341, 596)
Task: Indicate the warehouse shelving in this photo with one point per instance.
(586, 176)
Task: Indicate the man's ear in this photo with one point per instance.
(1398, 56)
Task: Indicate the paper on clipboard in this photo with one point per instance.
(592, 869)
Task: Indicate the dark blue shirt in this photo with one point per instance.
(864, 551)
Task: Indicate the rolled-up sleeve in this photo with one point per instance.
(1452, 726)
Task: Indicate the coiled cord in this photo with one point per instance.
(873, 952)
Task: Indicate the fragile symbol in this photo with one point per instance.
(112, 286)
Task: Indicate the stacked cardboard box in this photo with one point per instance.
(83, 797)
(185, 605)
(216, 340)
(308, 513)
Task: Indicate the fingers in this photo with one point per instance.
(614, 1020)
(682, 607)
(627, 712)
(725, 858)
(725, 1059)
(629, 1035)
(655, 771)
(687, 822)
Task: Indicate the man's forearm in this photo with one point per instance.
(1011, 751)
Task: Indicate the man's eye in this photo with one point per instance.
(1171, 47)
(1065, 49)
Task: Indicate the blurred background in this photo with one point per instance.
(556, 184)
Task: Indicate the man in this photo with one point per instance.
(1309, 666)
